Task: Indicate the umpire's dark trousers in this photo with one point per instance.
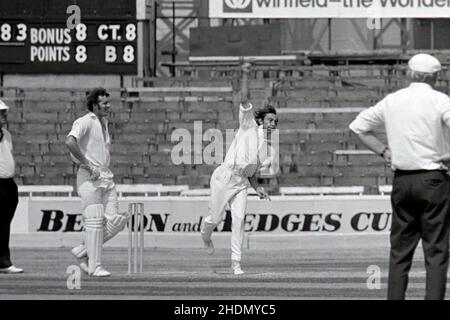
(8, 203)
(420, 203)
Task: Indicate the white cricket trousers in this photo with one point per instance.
(91, 193)
(228, 187)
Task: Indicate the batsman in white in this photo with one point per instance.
(250, 151)
(89, 142)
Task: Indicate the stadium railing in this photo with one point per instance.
(287, 191)
(385, 189)
(196, 192)
(207, 192)
(124, 190)
(32, 190)
(320, 110)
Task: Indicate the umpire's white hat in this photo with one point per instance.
(423, 62)
(3, 106)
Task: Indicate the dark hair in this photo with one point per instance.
(261, 113)
(92, 97)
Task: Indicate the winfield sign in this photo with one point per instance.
(329, 8)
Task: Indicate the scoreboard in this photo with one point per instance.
(41, 42)
(92, 47)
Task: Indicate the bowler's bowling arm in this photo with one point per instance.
(245, 95)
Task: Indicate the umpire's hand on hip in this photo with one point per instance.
(387, 156)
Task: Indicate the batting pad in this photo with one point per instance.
(115, 225)
(111, 229)
(93, 223)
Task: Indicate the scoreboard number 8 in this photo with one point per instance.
(128, 54)
(5, 32)
(81, 32)
(130, 32)
(81, 55)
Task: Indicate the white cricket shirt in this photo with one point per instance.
(92, 142)
(417, 119)
(248, 151)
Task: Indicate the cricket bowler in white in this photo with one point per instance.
(89, 143)
(250, 151)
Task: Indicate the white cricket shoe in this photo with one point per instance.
(11, 270)
(209, 246)
(100, 272)
(236, 266)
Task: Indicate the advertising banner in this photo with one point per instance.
(282, 215)
(329, 8)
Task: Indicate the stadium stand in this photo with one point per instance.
(315, 104)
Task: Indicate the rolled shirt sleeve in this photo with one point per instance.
(369, 119)
(79, 129)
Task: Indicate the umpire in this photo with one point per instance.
(416, 119)
(8, 193)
